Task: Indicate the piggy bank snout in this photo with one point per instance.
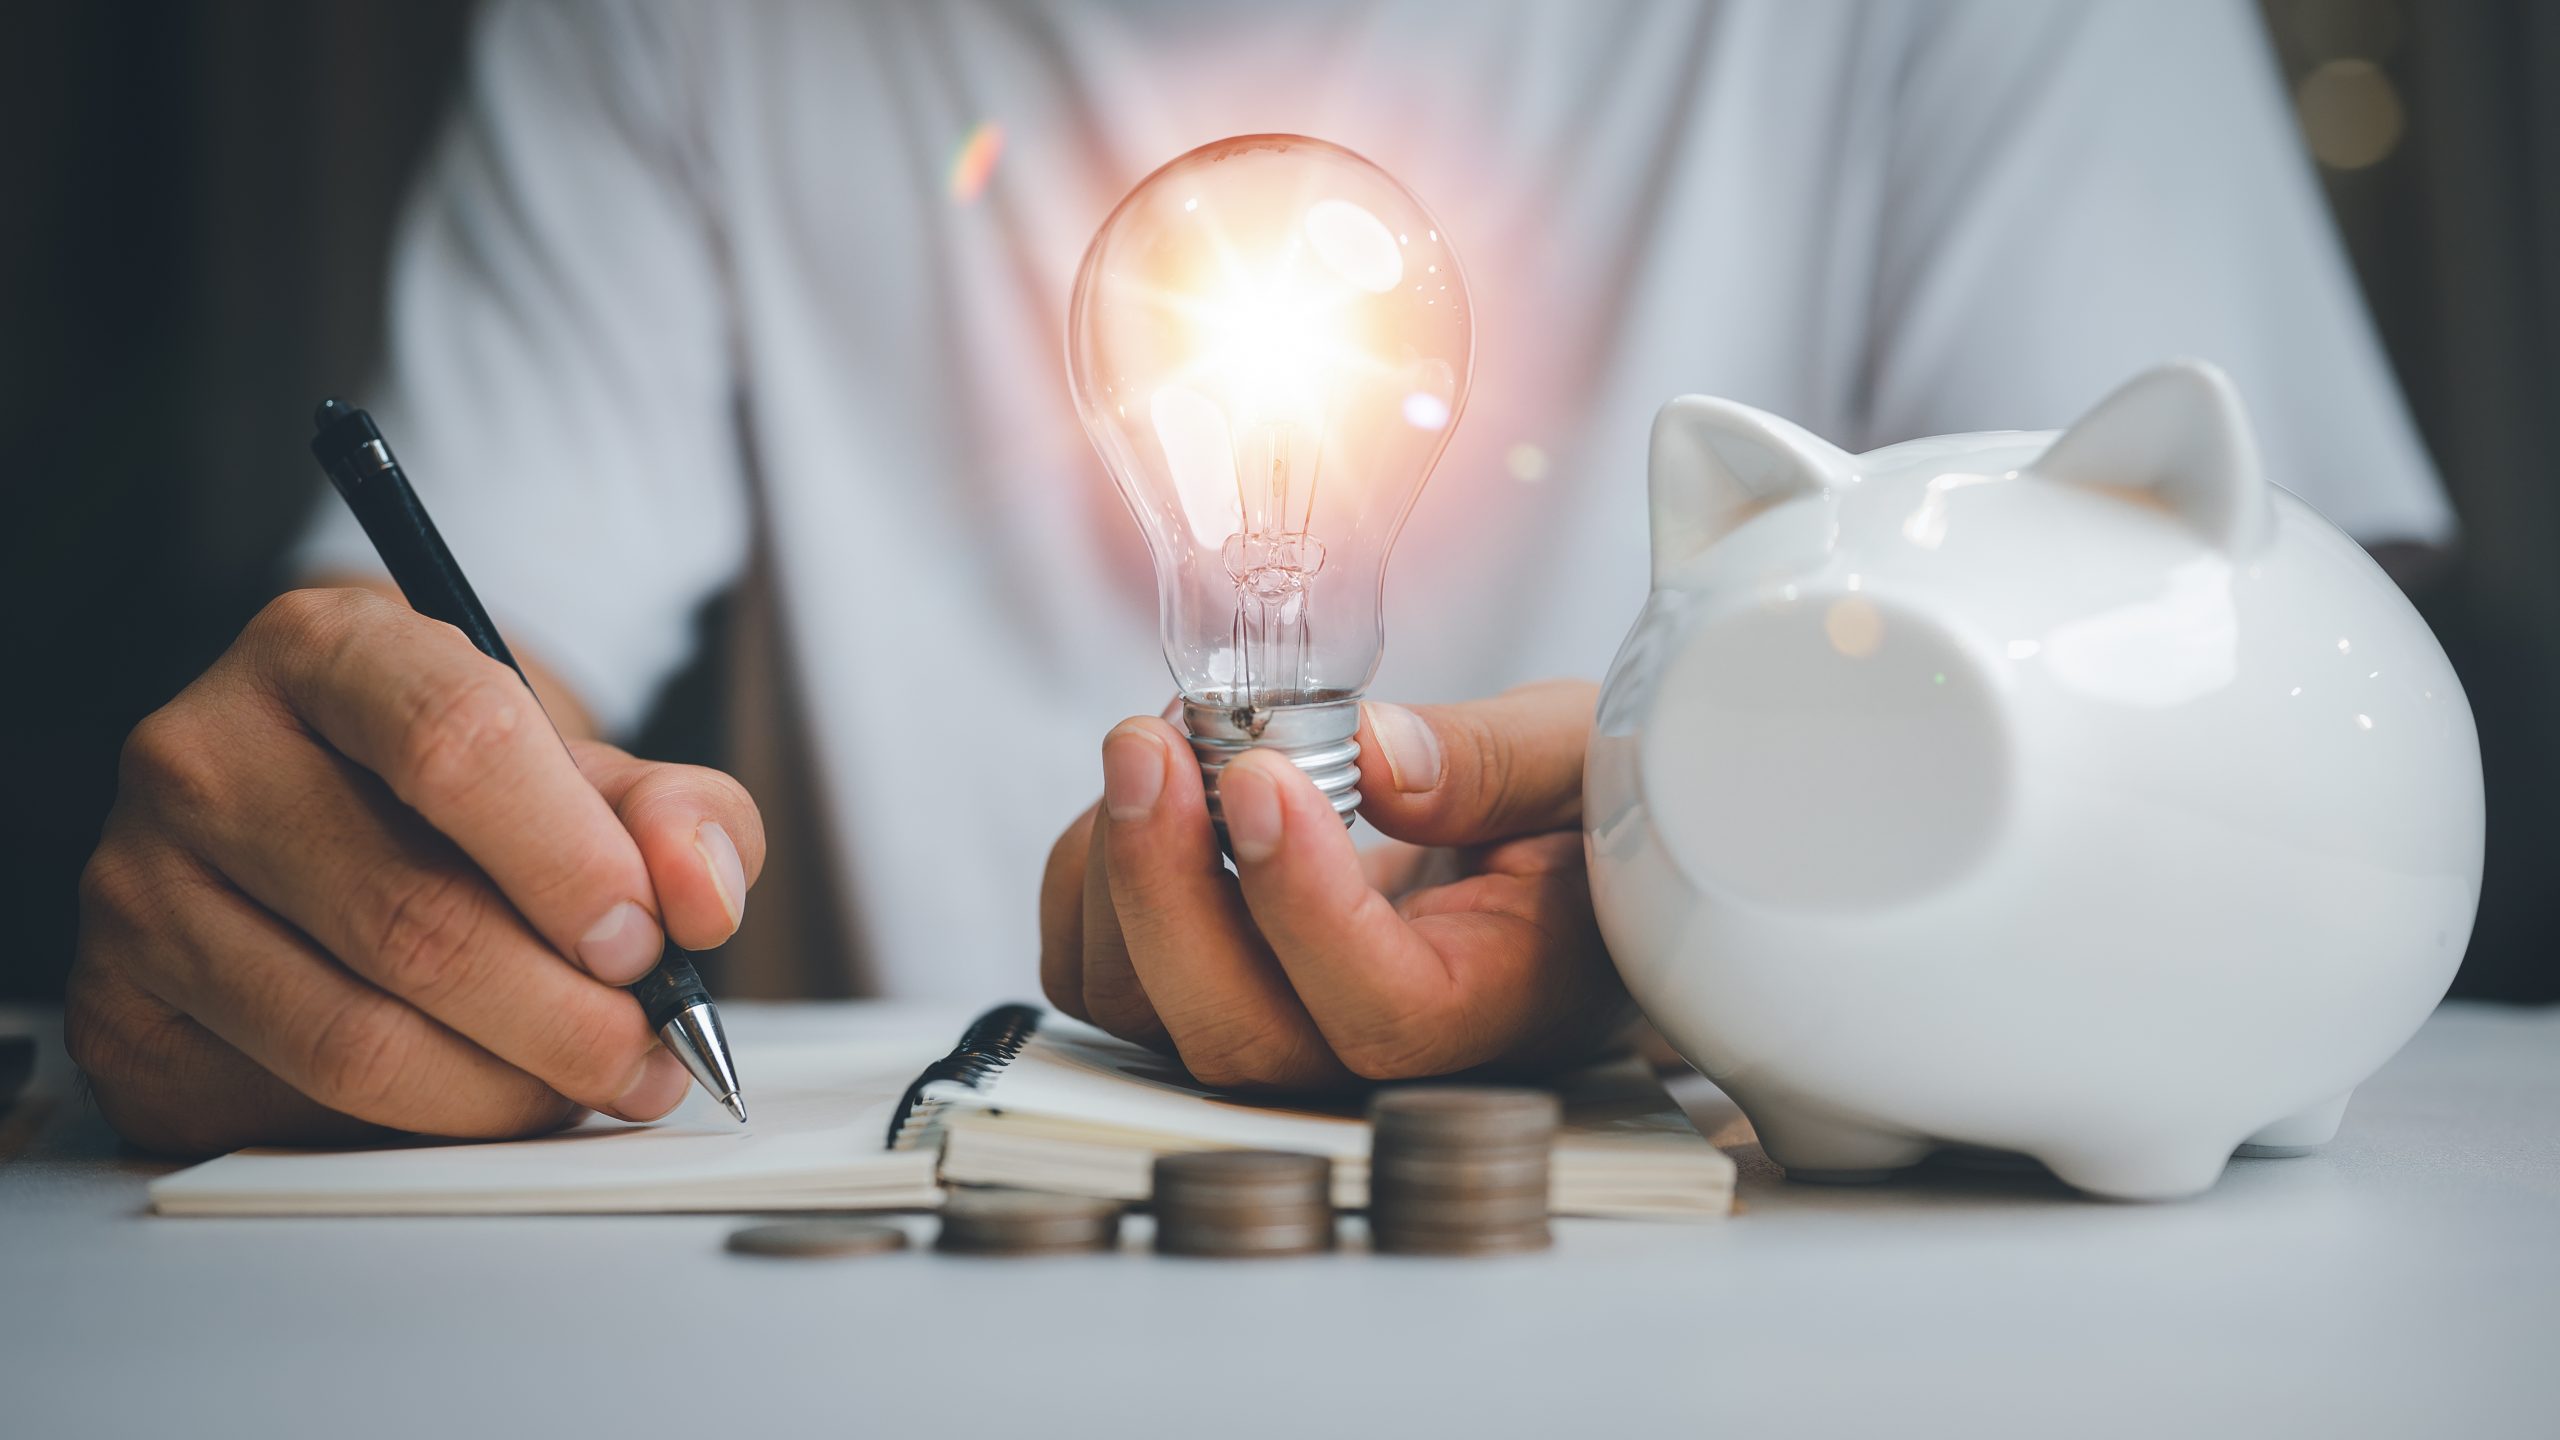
(1841, 752)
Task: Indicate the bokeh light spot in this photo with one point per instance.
(1854, 627)
(2351, 114)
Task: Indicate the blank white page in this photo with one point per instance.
(820, 1113)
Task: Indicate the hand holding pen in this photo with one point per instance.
(354, 882)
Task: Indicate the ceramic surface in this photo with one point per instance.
(2079, 795)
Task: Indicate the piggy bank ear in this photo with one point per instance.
(2178, 433)
(1717, 463)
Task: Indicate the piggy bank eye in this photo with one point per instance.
(1841, 754)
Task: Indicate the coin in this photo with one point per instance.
(1458, 1114)
(1245, 1243)
(1242, 1177)
(1293, 1239)
(1243, 1202)
(803, 1239)
(1466, 1169)
(1239, 1209)
(1460, 1209)
(1026, 1222)
(1283, 1169)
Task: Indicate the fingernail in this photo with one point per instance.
(1251, 804)
(660, 1088)
(622, 946)
(1410, 748)
(728, 873)
(1132, 773)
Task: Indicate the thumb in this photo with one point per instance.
(1479, 772)
(699, 833)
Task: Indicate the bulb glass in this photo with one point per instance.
(1269, 344)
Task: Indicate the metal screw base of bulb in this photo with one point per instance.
(1316, 738)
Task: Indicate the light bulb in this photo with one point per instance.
(1270, 344)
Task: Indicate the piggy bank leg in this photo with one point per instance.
(2297, 1134)
(2147, 1170)
(1827, 1151)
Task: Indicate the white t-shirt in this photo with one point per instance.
(676, 274)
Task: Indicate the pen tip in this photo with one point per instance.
(330, 409)
(736, 1106)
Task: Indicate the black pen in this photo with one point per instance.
(351, 449)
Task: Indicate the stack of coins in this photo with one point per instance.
(1026, 1222)
(1243, 1202)
(1460, 1170)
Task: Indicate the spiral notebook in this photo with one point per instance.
(1036, 1100)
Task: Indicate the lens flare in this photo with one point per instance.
(974, 163)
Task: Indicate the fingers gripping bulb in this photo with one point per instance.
(1318, 739)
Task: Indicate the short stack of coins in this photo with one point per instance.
(1243, 1203)
(1460, 1170)
(1026, 1222)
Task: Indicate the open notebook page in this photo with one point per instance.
(820, 1110)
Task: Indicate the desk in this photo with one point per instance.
(2405, 1282)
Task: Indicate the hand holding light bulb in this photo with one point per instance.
(1467, 940)
(1270, 343)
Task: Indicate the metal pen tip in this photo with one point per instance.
(695, 1037)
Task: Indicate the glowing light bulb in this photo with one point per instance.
(1270, 345)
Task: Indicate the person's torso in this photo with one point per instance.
(1649, 199)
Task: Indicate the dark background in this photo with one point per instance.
(198, 199)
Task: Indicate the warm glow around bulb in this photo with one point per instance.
(1269, 342)
(1274, 331)
(1267, 345)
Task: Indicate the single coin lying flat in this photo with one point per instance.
(813, 1239)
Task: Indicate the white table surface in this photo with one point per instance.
(2405, 1282)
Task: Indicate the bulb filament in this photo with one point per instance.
(1271, 559)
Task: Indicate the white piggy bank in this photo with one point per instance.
(2084, 796)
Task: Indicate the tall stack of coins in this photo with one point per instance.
(1243, 1202)
(1460, 1170)
(1026, 1222)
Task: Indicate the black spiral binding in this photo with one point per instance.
(985, 1048)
